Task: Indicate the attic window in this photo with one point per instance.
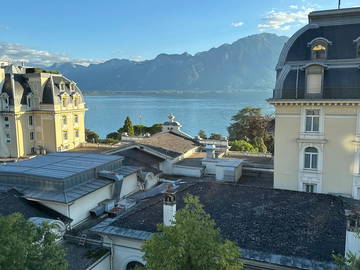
(357, 43)
(62, 86)
(72, 87)
(319, 47)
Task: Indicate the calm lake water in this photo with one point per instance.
(209, 111)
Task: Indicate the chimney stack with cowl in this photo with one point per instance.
(169, 208)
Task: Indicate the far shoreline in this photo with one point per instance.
(121, 92)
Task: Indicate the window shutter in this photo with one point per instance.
(313, 83)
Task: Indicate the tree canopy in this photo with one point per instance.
(193, 243)
(202, 134)
(127, 127)
(26, 246)
(91, 136)
(250, 125)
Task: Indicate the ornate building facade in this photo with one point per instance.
(40, 112)
(317, 101)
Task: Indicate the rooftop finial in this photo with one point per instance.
(171, 117)
(339, 4)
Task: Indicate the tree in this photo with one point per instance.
(350, 262)
(26, 246)
(243, 146)
(250, 125)
(215, 136)
(91, 136)
(192, 243)
(202, 134)
(109, 141)
(128, 127)
(114, 136)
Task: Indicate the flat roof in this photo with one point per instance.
(58, 165)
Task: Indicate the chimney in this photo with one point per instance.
(169, 208)
(118, 181)
(210, 151)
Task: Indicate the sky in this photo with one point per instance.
(89, 31)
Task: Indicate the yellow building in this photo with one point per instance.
(39, 112)
(317, 102)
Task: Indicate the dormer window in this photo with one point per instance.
(72, 87)
(319, 48)
(62, 86)
(28, 100)
(314, 79)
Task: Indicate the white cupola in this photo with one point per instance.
(171, 125)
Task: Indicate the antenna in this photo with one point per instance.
(339, 4)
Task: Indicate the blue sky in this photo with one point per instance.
(88, 31)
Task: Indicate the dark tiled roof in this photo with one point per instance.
(140, 156)
(169, 143)
(341, 36)
(48, 96)
(81, 257)
(272, 221)
(12, 202)
(22, 88)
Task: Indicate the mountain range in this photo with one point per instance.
(248, 63)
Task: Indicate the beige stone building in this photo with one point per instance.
(317, 102)
(39, 112)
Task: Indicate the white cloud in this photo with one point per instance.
(137, 58)
(294, 6)
(19, 53)
(237, 24)
(283, 20)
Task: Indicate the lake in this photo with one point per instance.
(208, 111)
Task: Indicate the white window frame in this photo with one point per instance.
(65, 135)
(312, 134)
(311, 156)
(314, 186)
(312, 117)
(64, 120)
(318, 70)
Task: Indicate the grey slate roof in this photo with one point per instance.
(284, 223)
(22, 88)
(12, 202)
(82, 257)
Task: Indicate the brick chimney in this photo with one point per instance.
(169, 207)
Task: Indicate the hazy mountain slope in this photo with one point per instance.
(245, 64)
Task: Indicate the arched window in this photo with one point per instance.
(132, 265)
(357, 46)
(311, 158)
(318, 51)
(319, 48)
(62, 86)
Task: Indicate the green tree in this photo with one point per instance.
(215, 136)
(26, 246)
(155, 128)
(140, 129)
(243, 146)
(202, 134)
(193, 243)
(114, 136)
(128, 127)
(109, 141)
(349, 262)
(251, 125)
(91, 136)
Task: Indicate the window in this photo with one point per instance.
(76, 133)
(64, 120)
(6, 118)
(65, 135)
(312, 120)
(318, 50)
(76, 118)
(64, 102)
(30, 120)
(62, 86)
(75, 101)
(358, 50)
(29, 101)
(72, 87)
(311, 158)
(32, 150)
(31, 136)
(8, 139)
(311, 188)
(314, 75)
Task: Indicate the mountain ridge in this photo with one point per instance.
(232, 66)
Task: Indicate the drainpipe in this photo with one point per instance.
(297, 82)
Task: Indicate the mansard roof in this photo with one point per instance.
(339, 30)
(20, 91)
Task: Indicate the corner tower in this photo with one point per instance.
(317, 102)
